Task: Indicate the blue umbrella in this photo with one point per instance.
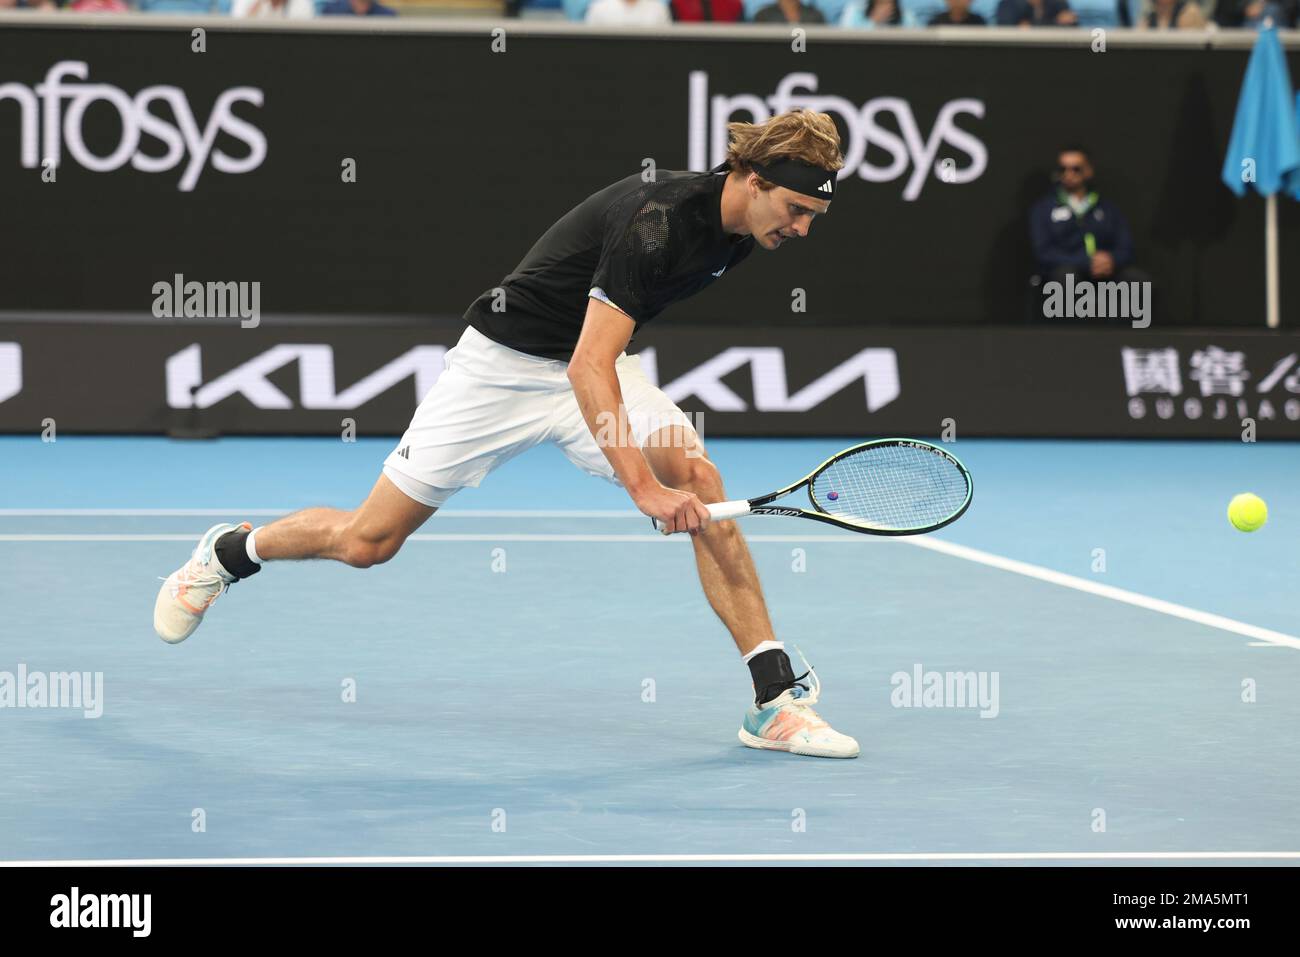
(1264, 150)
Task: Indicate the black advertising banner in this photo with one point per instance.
(382, 172)
(206, 379)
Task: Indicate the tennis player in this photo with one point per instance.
(543, 360)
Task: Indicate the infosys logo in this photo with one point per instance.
(51, 115)
(912, 154)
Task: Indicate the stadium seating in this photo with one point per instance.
(831, 9)
(195, 7)
(917, 13)
(1096, 13)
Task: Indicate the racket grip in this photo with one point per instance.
(718, 511)
(721, 511)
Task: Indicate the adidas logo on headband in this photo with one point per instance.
(798, 176)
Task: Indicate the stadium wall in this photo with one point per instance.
(231, 165)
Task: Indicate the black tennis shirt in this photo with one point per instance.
(638, 246)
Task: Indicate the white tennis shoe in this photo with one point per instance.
(189, 592)
(789, 723)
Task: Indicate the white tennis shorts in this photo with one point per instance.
(491, 402)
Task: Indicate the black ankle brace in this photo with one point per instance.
(233, 555)
(772, 674)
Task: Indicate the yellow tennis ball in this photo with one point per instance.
(1247, 512)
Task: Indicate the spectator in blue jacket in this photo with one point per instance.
(1074, 230)
(1035, 13)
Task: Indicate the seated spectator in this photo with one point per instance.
(708, 11)
(1174, 14)
(1252, 13)
(274, 9)
(630, 13)
(1076, 232)
(357, 8)
(958, 14)
(789, 11)
(871, 14)
(1035, 13)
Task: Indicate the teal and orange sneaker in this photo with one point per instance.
(188, 592)
(788, 723)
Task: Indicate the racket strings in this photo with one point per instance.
(891, 487)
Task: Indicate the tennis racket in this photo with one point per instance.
(885, 487)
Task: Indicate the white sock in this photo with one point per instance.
(762, 645)
(250, 547)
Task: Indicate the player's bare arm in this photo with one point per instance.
(605, 334)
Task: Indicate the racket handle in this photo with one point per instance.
(718, 511)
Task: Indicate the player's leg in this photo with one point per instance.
(782, 717)
(727, 573)
(368, 535)
(677, 457)
(488, 405)
(229, 553)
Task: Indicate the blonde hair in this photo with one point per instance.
(799, 134)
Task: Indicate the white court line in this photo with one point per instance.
(951, 549)
(1106, 591)
(181, 512)
(684, 858)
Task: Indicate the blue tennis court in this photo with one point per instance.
(538, 674)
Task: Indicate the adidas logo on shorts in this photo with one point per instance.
(405, 452)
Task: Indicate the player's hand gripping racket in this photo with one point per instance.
(885, 487)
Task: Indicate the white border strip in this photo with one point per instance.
(471, 22)
(684, 858)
